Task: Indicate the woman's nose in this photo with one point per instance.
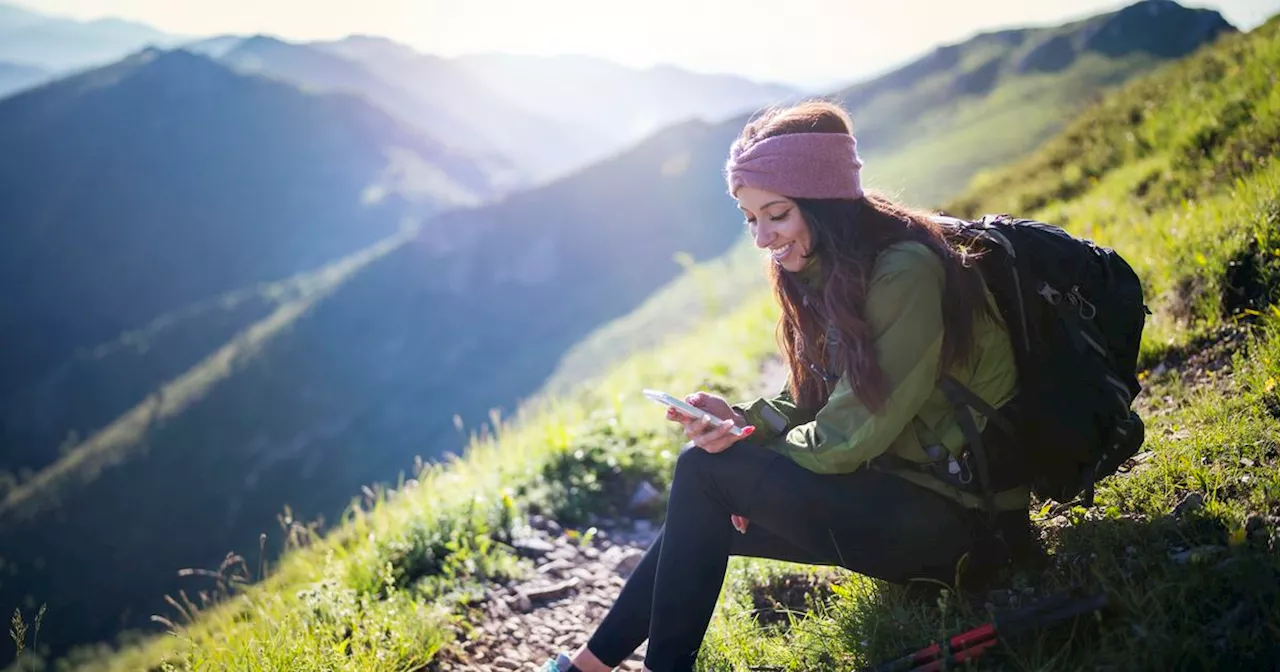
(764, 237)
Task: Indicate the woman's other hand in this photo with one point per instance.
(711, 432)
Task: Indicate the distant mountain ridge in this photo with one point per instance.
(986, 101)
(15, 77)
(545, 147)
(61, 44)
(317, 69)
(621, 101)
(165, 179)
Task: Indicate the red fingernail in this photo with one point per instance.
(748, 430)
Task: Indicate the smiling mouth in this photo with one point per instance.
(780, 253)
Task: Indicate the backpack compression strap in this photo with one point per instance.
(963, 400)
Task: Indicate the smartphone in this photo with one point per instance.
(684, 408)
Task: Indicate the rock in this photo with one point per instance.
(1197, 554)
(627, 561)
(1192, 502)
(591, 553)
(520, 603)
(599, 601)
(1256, 529)
(545, 524)
(552, 592)
(532, 547)
(645, 497)
(555, 567)
(566, 553)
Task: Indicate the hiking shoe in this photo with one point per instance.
(560, 663)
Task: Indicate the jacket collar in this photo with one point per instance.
(811, 275)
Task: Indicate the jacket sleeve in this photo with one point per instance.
(773, 416)
(904, 307)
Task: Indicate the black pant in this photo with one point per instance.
(866, 521)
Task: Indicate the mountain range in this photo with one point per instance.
(15, 77)
(54, 43)
(252, 274)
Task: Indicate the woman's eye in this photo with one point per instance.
(780, 217)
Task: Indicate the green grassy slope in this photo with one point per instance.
(1193, 588)
(1181, 184)
(930, 126)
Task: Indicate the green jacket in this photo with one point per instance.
(904, 307)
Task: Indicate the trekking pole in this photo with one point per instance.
(970, 644)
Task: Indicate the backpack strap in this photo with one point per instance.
(963, 399)
(955, 392)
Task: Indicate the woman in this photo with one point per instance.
(854, 462)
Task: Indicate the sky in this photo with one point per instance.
(807, 43)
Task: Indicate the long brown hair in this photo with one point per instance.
(847, 236)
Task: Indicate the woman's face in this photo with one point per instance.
(777, 225)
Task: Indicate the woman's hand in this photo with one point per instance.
(711, 432)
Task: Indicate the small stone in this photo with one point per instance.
(644, 497)
(627, 561)
(565, 553)
(1190, 503)
(532, 547)
(1255, 527)
(555, 567)
(1197, 554)
(521, 603)
(553, 592)
(591, 552)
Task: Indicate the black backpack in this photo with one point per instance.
(1075, 314)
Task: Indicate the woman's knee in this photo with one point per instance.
(693, 461)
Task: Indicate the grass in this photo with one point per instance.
(1182, 543)
(1192, 591)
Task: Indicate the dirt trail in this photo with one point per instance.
(527, 621)
(524, 622)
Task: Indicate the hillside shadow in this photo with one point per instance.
(1180, 592)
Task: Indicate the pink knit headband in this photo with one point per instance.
(798, 165)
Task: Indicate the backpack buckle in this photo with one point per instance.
(1087, 310)
(1050, 294)
(960, 468)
